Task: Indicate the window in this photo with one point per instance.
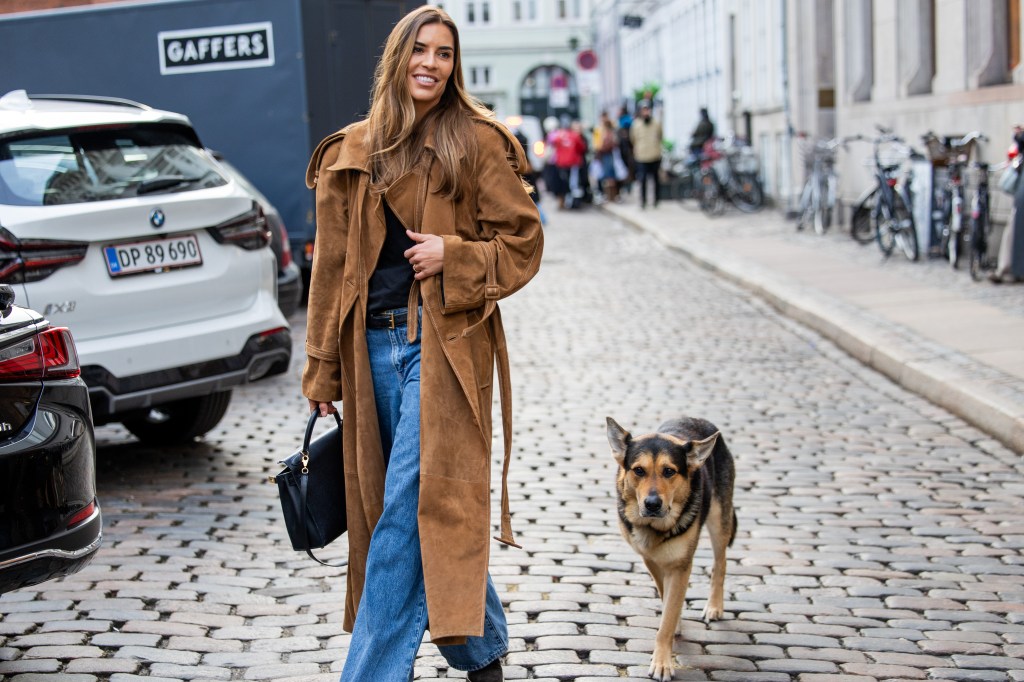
(102, 164)
(480, 76)
(478, 12)
(859, 37)
(915, 51)
(524, 10)
(568, 9)
(989, 43)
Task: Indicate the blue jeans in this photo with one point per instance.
(392, 615)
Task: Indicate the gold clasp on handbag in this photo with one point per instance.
(305, 462)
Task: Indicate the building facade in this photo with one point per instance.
(528, 57)
(772, 70)
(947, 66)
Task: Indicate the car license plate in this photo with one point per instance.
(155, 255)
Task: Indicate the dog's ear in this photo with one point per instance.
(701, 450)
(618, 438)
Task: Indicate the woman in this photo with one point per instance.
(1010, 262)
(606, 146)
(423, 223)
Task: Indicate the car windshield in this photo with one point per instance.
(103, 163)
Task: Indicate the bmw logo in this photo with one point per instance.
(157, 218)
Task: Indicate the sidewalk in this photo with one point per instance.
(956, 342)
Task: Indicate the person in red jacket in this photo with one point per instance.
(570, 155)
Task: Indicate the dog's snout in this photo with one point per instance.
(652, 503)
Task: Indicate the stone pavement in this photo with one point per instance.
(880, 536)
(957, 342)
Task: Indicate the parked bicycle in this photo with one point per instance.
(954, 155)
(979, 236)
(819, 196)
(729, 173)
(889, 202)
(684, 177)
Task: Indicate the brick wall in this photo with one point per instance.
(8, 6)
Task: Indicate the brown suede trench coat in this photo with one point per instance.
(492, 247)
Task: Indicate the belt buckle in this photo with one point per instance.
(391, 319)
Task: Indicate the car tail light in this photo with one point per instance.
(248, 230)
(307, 251)
(81, 515)
(30, 260)
(270, 332)
(286, 248)
(48, 355)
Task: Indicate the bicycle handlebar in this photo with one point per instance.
(971, 137)
(955, 143)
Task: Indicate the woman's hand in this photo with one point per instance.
(427, 255)
(324, 408)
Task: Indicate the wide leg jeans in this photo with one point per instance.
(392, 615)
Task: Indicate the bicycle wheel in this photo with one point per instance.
(979, 236)
(953, 249)
(862, 223)
(806, 215)
(939, 222)
(905, 229)
(954, 241)
(711, 200)
(977, 264)
(746, 193)
(965, 242)
(822, 212)
(885, 233)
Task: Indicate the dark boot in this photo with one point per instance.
(489, 673)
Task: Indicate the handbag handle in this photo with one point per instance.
(313, 416)
(304, 483)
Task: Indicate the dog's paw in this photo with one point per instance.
(662, 665)
(712, 612)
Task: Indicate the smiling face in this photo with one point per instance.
(430, 66)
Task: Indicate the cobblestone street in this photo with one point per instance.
(880, 537)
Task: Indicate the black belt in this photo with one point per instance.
(389, 319)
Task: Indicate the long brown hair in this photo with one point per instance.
(395, 137)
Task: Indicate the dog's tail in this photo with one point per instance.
(735, 523)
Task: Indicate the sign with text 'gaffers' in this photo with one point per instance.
(217, 48)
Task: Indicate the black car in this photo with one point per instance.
(50, 523)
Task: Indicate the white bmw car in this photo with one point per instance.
(116, 223)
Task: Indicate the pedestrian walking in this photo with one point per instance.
(645, 135)
(396, 315)
(569, 156)
(626, 147)
(1010, 262)
(606, 146)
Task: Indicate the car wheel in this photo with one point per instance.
(180, 421)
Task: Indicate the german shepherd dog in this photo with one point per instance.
(670, 484)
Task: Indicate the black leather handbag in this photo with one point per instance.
(312, 487)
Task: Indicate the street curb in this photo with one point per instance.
(943, 376)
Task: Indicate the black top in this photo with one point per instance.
(391, 281)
